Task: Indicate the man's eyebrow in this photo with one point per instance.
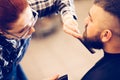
(90, 16)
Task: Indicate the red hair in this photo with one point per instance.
(10, 11)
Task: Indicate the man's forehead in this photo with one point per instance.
(103, 17)
(99, 10)
(96, 10)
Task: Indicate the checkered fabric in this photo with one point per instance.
(47, 7)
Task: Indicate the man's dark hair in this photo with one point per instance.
(111, 6)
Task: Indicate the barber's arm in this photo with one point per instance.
(69, 18)
(63, 7)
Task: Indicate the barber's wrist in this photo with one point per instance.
(67, 17)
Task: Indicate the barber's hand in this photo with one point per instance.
(55, 77)
(70, 25)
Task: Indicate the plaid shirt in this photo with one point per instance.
(47, 7)
(11, 53)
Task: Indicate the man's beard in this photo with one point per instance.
(94, 42)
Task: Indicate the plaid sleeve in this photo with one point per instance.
(47, 7)
(43, 7)
(40, 4)
(66, 6)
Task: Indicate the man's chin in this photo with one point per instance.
(93, 44)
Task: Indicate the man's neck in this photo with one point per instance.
(112, 49)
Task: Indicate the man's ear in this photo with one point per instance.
(106, 35)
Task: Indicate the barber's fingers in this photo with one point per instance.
(55, 77)
(72, 25)
(72, 32)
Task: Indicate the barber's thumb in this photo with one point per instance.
(55, 77)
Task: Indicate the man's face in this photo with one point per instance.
(97, 21)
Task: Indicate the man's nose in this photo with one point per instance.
(86, 21)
